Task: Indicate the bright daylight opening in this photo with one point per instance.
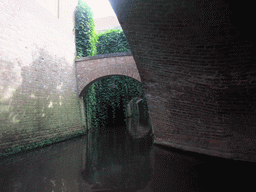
(100, 8)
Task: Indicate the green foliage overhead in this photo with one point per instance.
(112, 41)
(86, 37)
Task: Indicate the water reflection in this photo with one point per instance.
(137, 118)
(53, 168)
(110, 160)
(103, 159)
(114, 160)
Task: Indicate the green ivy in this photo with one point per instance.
(88, 43)
(102, 94)
(112, 41)
(86, 37)
(110, 91)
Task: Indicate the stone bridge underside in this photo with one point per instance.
(90, 69)
(197, 64)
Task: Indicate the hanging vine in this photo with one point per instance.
(115, 91)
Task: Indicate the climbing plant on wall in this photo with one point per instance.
(110, 91)
(115, 91)
(86, 37)
(112, 41)
(88, 43)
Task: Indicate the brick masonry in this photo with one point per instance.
(195, 59)
(40, 82)
(38, 88)
(91, 69)
(197, 64)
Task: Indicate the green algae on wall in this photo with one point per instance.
(31, 146)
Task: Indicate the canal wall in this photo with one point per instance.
(196, 62)
(39, 101)
(195, 59)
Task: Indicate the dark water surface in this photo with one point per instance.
(111, 160)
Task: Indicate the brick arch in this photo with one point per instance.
(81, 93)
(91, 69)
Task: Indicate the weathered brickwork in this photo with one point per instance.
(197, 65)
(195, 58)
(90, 69)
(38, 89)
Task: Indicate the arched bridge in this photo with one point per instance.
(196, 61)
(90, 69)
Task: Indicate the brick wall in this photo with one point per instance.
(38, 89)
(196, 61)
(90, 69)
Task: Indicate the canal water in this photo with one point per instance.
(111, 160)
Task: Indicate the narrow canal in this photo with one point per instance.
(112, 160)
(101, 160)
(120, 155)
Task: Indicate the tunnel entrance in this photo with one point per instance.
(106, 102)
(115, 116)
